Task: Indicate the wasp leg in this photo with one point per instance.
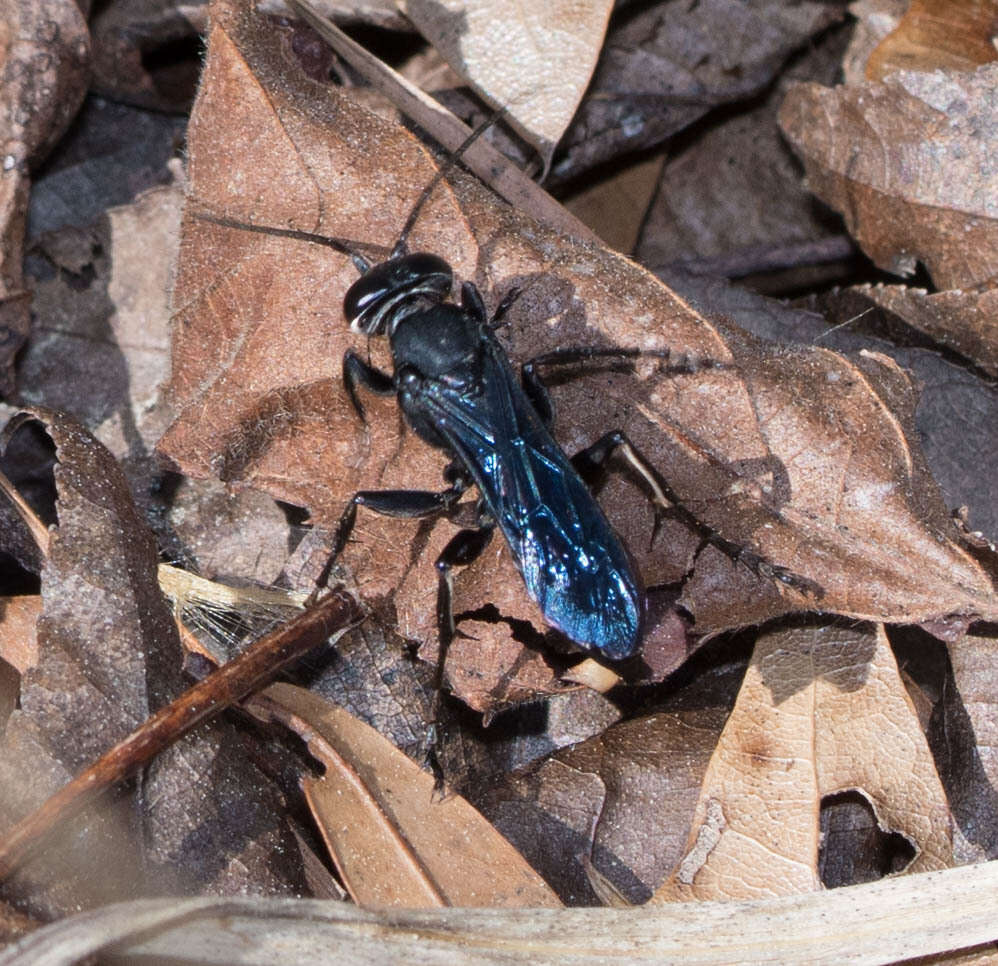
(356, 372)
(592, 465)
(406, 504)
(464, 548)
(537, 392)
(473, 303)
(505, 304)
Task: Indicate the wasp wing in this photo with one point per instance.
(572, 561)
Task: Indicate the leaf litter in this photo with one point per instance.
(807, 457)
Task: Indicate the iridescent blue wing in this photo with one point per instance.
(573, 563)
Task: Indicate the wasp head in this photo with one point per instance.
(372, 303)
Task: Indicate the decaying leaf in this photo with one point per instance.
(107, 656)
(86, 689)
(800, 454)
(910, 164)
(535, 60)
(44, 50)
(395, 842)
(822, 711)
(664, 66)
(965, 322)
(938, 35)
(624, 798)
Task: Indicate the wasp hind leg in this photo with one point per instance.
(592, 464)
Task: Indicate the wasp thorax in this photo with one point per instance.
(373, 301)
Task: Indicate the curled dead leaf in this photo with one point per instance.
(908, 162)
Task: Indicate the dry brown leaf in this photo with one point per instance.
(44, 54)
(395, 842)
(86, 689)
(965, 322)
(108, 656)
(536, 60)
(822, 711)
(909, 163)
(801, 454)
(625, 797)
(938, 35)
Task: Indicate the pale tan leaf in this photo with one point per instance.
(822, 710)
(394, 841)
(536, 60)
(910, 164)
(18, 633)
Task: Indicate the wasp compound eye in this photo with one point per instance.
(371, 303)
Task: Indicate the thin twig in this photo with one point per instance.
(500, 174)
(39, 532)
(219, 690)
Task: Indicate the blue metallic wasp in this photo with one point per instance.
(459, 392)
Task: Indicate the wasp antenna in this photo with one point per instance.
(337, 244)
(444, 169)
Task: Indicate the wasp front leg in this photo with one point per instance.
(356, 373)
